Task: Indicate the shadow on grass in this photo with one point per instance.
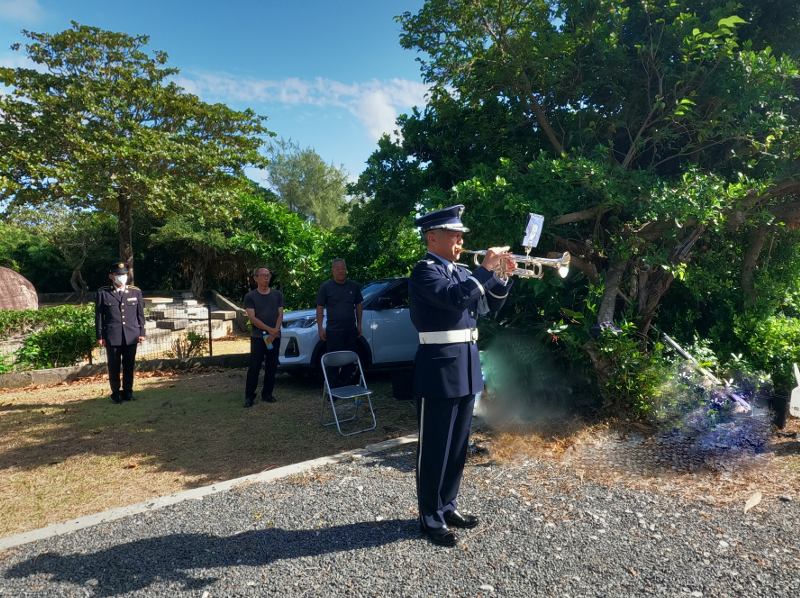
(171, 559)
(192, 425)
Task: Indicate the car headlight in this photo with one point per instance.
(306, 322)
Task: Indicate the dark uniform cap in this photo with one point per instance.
(119, 268)
(446, 218)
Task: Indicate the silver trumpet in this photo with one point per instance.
(536, 271)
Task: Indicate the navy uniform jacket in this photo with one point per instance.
(119, 316)
(442, 301)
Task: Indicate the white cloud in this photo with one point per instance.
(22, 11)
(20, 61)
(375, 103)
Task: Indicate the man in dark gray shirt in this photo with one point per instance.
(342, 299)
(264, 308)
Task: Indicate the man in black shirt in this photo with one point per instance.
(264, 308)
(342, 299)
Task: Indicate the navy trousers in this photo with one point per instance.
(259, 354)
(126, 354)
(441, 454)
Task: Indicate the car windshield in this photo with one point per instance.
(372, 289)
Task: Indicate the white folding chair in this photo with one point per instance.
(338, 397)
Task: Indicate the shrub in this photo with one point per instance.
(66, 336)
(190, 344)
(634, 376)
(13, 322)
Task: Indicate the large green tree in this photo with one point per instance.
(304, 182)
(636, 129)
(99, 125)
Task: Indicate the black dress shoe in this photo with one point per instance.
(443, 536)
(248, 403)
(129, 398)
(269, 399)
(456, 519)
(116, 399)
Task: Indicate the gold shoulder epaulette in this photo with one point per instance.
(130, 286)
(106, 288)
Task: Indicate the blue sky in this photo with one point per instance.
(331, 75)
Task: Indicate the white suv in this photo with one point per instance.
(388, 339)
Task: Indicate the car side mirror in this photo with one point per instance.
(383, 303)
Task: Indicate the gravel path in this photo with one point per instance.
(350, 530)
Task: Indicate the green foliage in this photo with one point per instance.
(30, 254)
(100, 125)
(16, 322)
(63, 335)
(772, 345)
(197, 241)
(652, 137)
(634, 375)
(308, 185)
(6, 364)
(190, 344)
(79, 236)
(273, 236)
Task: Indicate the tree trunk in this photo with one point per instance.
(79, 284)
(198, 276)
(125, 229)
(659, 279)
(757, 238)
(656, 285)
(613, 280)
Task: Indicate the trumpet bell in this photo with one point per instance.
(563, 269)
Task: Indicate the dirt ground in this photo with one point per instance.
(67, 451)
(628, 454)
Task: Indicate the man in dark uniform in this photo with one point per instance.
(119, 325)
(446, 300)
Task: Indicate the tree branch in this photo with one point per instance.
(578, 216)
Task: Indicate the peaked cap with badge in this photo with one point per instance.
(446, 300)
(446, 219)
(119, 268)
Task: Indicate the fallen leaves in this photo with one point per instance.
(131, 465)
(752, 501)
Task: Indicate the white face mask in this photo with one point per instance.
(121, 279)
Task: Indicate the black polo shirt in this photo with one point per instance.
(340, 301)
(265, 307)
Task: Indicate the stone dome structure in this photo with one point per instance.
(16, 292)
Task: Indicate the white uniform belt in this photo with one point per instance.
(467, 335)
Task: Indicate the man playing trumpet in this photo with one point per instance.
(446, 300)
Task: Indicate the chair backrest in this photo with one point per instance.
(338, 359)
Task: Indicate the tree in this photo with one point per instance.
(271, 235)
(101, 127)
(308, 185)
(76, 234)
(197, 241)
(639, 130)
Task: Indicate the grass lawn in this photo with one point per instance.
(67, 451)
